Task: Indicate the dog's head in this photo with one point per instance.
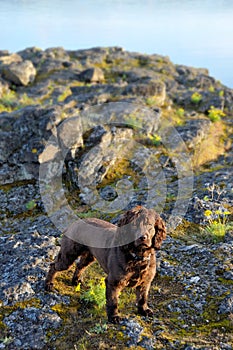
(143, 227)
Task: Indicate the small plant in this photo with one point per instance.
(31, 205)
(215, 114)
(95, 293)
(25, 100)
(196, 97)
(211, 88)
(215, 192)
(155, 140)
(217, 223)
(8, 102)
(221, 93)
(180, 112)
(99, 328)
(152, 101)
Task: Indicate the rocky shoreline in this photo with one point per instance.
(92, 133)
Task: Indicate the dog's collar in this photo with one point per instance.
(140, 258)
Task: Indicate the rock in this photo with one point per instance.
(9, 59)
(228, 275)
(228, 237)
(29, 325)
(4, 53)
(226, 307)
(31, 128)
(96, 135)
(133, 331)
(96, 163)
(136, 75)
(194, 131)
(92, 75)
(187, 75)
(19, 292)
(21, 73)
(9, 142)
(31, 54)
(108, 193)
(204, 102)
(46, 62)
(70, 135)
(133, 115)
(49, 154)
(157, 90)
(89, 57)
(194, 279)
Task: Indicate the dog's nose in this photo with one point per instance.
(143, 238)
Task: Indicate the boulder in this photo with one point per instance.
(70, 136)
(9, 59)
(21, 146)
(92, 75)
(205, 99)
(89, 57)
(156, 89)
(4, 53)
(194, 131)
(96, 163)
(9, 142)
(21, 73)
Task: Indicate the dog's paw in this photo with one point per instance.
(116, 319)
(147, 312)
(75, 281)
(48, 287)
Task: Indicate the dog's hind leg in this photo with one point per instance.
(85, 259)
(69, 252)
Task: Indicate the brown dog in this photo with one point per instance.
(128, 258)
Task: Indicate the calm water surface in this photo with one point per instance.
(196, 33)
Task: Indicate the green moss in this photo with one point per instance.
(64, 95)
(211, 319)
(225, 281)
(134, 121)
(8, 187)
(121, 168)
(188, 232)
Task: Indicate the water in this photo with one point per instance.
(197, 33)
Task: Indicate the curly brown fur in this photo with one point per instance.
(130, 264)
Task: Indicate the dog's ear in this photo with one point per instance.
(160, 233)
(129, 216)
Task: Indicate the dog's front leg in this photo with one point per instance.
(142, 297)
(50, 278)
(113, 289)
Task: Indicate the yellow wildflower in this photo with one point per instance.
(78, 288)
(208, 212)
